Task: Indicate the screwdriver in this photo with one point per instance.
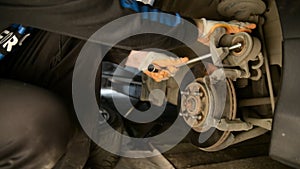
(152, 68)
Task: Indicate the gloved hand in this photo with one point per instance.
(166, 68)
(207, 27)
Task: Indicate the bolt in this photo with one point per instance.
(184, 93)
(200, 117)
(183, 114)
(197, 117)
(198, 94)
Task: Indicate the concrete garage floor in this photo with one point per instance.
(251, 154)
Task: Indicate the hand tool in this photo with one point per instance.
(153, 68)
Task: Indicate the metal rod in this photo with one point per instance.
(264, 50)
(197, 59)
(238, 45)
(152, 68)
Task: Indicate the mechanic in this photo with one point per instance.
(38, 130)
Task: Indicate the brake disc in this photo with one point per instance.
(198, 102)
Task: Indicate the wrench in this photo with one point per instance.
(152, 68)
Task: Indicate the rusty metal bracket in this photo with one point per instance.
(233, 125)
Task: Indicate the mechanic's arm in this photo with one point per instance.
(82, 18)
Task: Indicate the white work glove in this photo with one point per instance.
(165, 65)
(207, 27)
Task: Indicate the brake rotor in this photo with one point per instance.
(194, 106)
(230, 113)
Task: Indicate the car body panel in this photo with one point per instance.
(284, 143)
